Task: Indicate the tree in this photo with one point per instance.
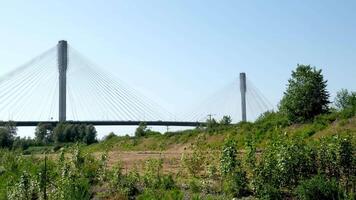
(8, 134)
(5, 139)
(75, 133)
(58, 133)
(226, 120)
(306, 95)
(44, 133)
(90, 135)
(345, 99)
(211, 124)
(141, 130)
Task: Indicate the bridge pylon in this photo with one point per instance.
(243, 95)
(62, 54)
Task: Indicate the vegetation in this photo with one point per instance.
(294, 153)
(306, 95)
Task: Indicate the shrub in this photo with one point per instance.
(271, 120)
(111, 135)
(126, 185)
(194, 185)
(269, 192)
(153, 173)
(195, 163)
(235, 180)
(236, 184)
(228, 161)
(336, 159)
(319, 187)
(283, 163)
(161, 195)
(168, 182)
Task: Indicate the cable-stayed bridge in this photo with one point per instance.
(61, 85)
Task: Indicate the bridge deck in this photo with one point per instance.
(108, 123)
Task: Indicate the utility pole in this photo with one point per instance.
(62, 49)
(243, 95)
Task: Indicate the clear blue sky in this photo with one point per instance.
(178, 51)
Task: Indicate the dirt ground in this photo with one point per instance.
(131, 159)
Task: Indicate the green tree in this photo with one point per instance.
(306, 95)
(234, 177)
(141, 130)
(228, 161)
(226, 120)
(90, 135)
(75, 133)
(8, 134)
(5, 138)
(345, 100)
(44, 133)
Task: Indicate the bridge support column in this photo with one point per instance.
(62, 48)
(243, 95)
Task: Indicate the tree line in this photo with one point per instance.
(46, 134)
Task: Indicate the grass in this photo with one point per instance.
(260, 133)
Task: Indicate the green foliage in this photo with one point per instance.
(6, 138)
(7, 135)
(228, 162)
(64, 133)
(44, 133)
(283, 164)
(236, 183)
(126, 185)
(336, 159)
(22, 143)
(195, 162)
(235, 179)
(141, 130)
(110, 135)
(250, 155)
(271, 119)
(153, 173)
(29, 178)
(288, 161)
(195, 185)
(26, 189)
(211, 125)
(345, 102)
(161, 195)
(306, 95)
(319, 187)
(226, 120)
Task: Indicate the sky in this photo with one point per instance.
(177, 52)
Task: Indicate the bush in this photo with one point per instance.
(195, 163)
(111, 135)
(336, 159)
(284, 163)
(236, 184)
(269, 192)
(319, 187)
(161, 195)
(234, 177)
(271, 120)
(194, 185)
(228, 161)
